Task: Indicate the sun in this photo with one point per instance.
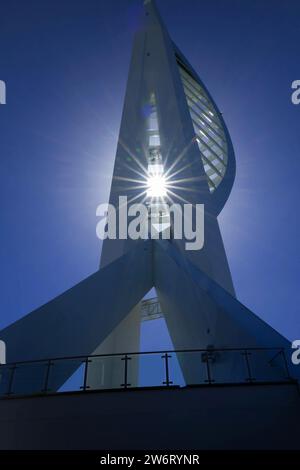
(156, 186)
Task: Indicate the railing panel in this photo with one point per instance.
(193, 368)
(66, 375)
(268, 365)
(108, 372)
(28, 378)
(227, 366)
(152, 370)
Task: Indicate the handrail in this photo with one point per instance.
(205, 366)
(134, 353)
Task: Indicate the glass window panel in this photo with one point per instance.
(154, 140)
(153, 122)
(207, 125)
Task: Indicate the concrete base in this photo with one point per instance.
(207, 417)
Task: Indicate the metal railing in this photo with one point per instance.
(145, 369)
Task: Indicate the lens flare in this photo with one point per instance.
(156, 186)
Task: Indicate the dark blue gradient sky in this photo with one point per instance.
(65, 64)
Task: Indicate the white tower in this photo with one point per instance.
(171, 134)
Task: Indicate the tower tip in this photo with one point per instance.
(148, 2)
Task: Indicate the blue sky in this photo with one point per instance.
(65, 64)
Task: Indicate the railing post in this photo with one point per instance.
(166, 357)
(126, 358)
(11, 379)
(286, 365)
(249, 378)
(84, 387)
(206, 358)
(45, 389)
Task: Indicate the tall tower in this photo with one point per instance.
(171, 124)
(173, 147)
